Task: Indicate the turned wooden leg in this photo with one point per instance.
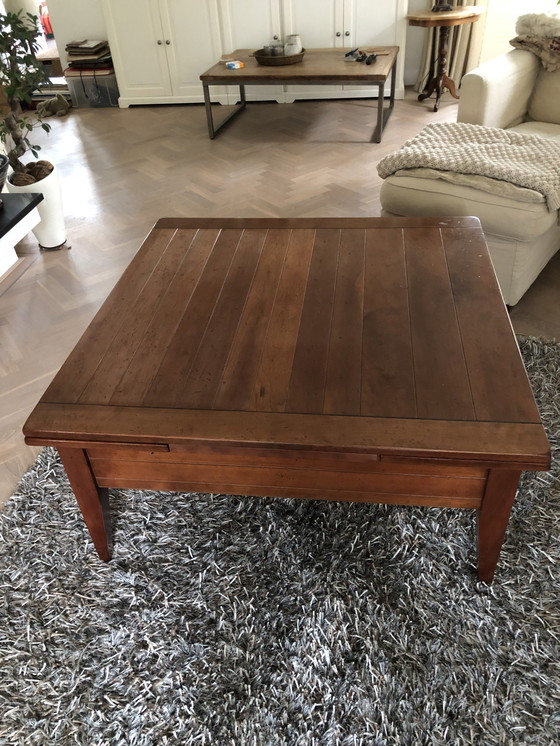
(493, 518)
(93, 500)
(450, 85)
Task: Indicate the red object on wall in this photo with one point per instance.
(45, 20)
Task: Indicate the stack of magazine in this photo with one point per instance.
(88, 54)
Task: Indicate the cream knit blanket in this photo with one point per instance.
(524, 160)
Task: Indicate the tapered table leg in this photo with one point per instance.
(93, 500)
(493, 518)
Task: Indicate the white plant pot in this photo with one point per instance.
(50, 232)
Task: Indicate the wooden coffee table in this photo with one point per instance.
(318, 67)
(335, 359)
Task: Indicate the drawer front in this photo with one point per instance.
(285, 473)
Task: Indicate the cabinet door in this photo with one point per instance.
(192, 44)
(319, 22)
(250, 24)
(346, 24)
(136, 38)
(373, 24)
(320, 25)
(370, 24)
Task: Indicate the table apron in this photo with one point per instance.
(284, 473)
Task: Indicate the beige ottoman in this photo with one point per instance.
(522, 235)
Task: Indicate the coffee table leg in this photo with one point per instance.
(493, 518)
(93, 500)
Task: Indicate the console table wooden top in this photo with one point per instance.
(455, 17)
(328, 65)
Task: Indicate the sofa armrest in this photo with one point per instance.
(497, 93)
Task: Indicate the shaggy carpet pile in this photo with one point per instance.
(233, 621)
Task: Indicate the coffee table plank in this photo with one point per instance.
(199, 387)
(273, 379)
(125, 343)
(144, 365)
(501, 392)
(440, 371)
(168, 385)
(344, 364)
(82, 362)
(306, 391)
(237, 386)
(387, 368)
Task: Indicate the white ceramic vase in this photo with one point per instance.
(50, 232)
(292, 45)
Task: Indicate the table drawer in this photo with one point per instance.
(261, 471)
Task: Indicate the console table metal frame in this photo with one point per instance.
(318, 67)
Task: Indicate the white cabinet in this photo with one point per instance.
(346, 24)
(318, 22)
(250, 24)
(160, 48)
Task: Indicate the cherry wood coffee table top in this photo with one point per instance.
(333, 333)
(350, 359)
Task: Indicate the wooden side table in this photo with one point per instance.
(443, 20)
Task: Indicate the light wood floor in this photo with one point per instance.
(123, 169)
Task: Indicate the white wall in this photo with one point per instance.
(75, 19)
(415, 36)
(29, 6)
(501, 16)
(492, 32)
(72, 19)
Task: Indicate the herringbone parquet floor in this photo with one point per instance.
(123, 169)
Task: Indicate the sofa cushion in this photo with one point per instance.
(541, 129)
(502, 216)
(544, 104)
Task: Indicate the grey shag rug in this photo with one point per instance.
(234, 621)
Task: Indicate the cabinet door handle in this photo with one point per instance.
(167, 42)
(275, 36)
(338, 33)
(159, 41)
(347, 33)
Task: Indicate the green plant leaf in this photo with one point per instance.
(20, 75)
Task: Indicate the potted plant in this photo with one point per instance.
(20, 75)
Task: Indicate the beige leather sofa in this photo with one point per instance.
(514, 92)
